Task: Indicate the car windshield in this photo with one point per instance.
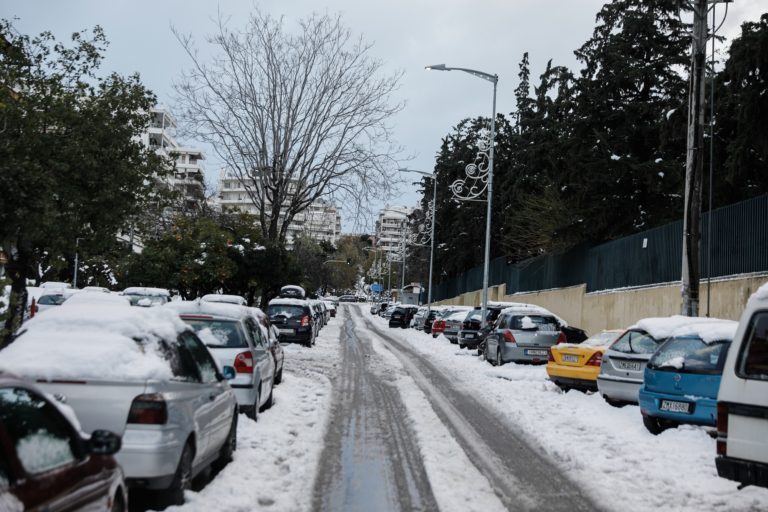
(218, 333)
(636, 342)
(690, 355)
(533, 322)
(286, 310)
(51, 300)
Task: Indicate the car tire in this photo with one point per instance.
(461, 345)
(499, 358)
(253, 411)
(182, 480)
(654, 425)
(434, 335)
(230, 445)
(270, 400)
(118, 504)
(279, 376)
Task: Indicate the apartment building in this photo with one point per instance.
(321, 221)
(391, 227)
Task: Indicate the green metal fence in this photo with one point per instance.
(739, 246)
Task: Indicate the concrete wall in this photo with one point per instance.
(621, 308)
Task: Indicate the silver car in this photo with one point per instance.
(623, 366)
(233, 335)
(523, 334)
(453, 323)
(138, 372)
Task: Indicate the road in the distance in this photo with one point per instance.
(371, 460)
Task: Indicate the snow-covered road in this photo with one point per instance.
(463, 436)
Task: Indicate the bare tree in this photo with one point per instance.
(296, 117)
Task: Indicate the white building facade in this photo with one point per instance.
(391, 228)
(321, 221)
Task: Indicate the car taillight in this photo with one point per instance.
(561, 338)
(509, 338)
(149, 409)
(722, 428)
(550, 357)
(244, 362)
(305, 320)
(596, 359)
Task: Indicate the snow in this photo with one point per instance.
(276, 459)
(229, 299)
(288, 302)
(94, 342)
(615, 157)
(760, 294)
(708, 329)
(143, 290)
(96, 297)
(527, 323)
(197, 307)
(41, 451)
(604, 449)
(675, 362)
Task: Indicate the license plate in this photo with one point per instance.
(534, 352)
(672, 406)
(469, 335)
(633, 366)
(285, 331)
(568, 358)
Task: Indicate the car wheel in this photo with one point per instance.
(461, 345)
(279, 376)
(615, 403)
(434, 335)
(118, 505)
(253, 411)
(654, 425)
(182, 480)
(270, 400)
(564, 387)
(499, 359)
(229, 446)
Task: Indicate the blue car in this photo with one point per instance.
(681, 382)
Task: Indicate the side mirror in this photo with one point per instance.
(228, 372)
(104, 442)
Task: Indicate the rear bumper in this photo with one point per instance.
(149, 457)
(744, 471)
(621, 390)
(572, 382)
(470, 338)
(519, 354)
(298, 337)
(704, 409)
(583, 377)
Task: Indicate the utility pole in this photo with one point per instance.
(694, 162)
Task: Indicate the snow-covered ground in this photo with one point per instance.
(605, 449)
(276, 458)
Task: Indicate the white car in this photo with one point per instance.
(141, 373)
(742, 401)
(226, 299)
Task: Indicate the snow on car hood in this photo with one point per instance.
(708, 329)
(94, 342)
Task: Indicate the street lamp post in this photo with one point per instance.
(432, 231)
(476, 173)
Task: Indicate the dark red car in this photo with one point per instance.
(46, 464)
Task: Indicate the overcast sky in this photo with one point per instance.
(489, 35)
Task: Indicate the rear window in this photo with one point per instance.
(753, 359)
(690, 355)
(531, 322)
(146, 300)
(286, 310)
(218, 333)
(636, 342)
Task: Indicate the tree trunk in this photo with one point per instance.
(16, 271)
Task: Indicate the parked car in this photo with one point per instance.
(387, 312)
(141, 373)
(453, 323)
(523, 334)
(331, 307)
(294, 320)
(292, 291)
(469, 334)
(432, 314)
(576, 366)
(278, 353)
(417, 322)
(227, 299)
(623, 366)
(401, 316)
(45, 460)
(145, 296)
(48, 301)
(438, 324)
(742, 401)
(235, 338)
(683, 376)
(347, 298)
(317, 314)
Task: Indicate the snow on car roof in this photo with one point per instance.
(221, 297)
(288, 302)
(199, 307)
(94, 342)
(143, 290)
(708, 329)
(96, 297)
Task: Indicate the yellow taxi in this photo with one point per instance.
(576, 366)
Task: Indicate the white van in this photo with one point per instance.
(742, 402)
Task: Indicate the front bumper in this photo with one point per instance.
(624, 390)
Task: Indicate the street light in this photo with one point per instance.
(432, 231)
(476, 173)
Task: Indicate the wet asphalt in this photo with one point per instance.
(371, 461)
